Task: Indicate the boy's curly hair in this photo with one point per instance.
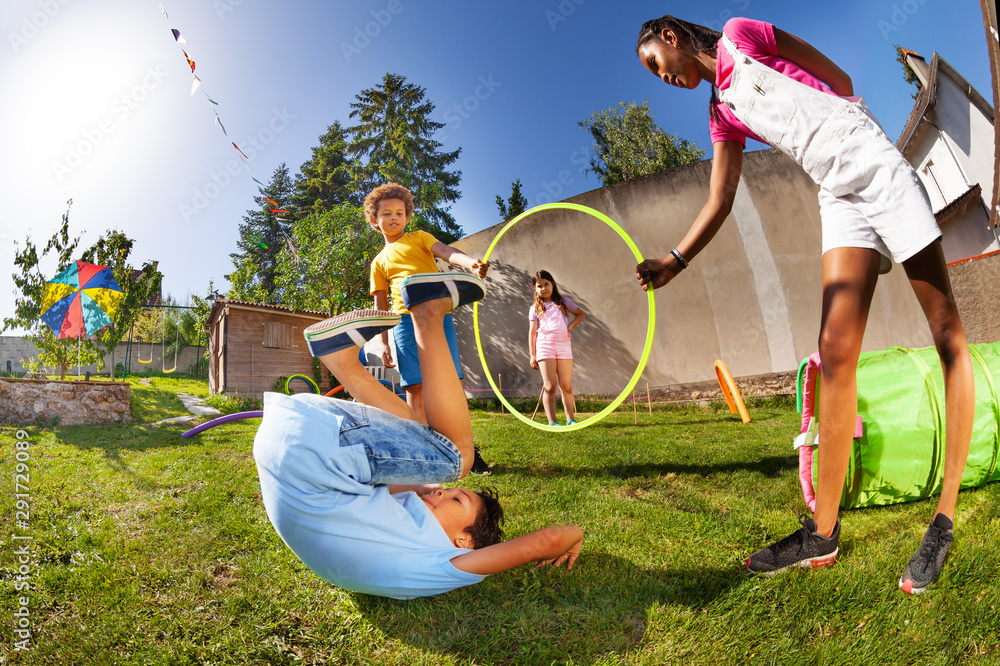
(387, 191)
(487, 528)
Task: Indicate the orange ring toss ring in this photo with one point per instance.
(733, 397)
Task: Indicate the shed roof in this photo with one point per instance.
(222, 303)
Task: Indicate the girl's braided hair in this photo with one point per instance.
(701, 39)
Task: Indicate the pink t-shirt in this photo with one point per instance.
(552, 320)
(755, 39)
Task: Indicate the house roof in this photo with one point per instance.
(964, 199)
(928, 96)
(222, 303)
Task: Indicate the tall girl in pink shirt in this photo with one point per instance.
(773, 86)
(549, 343)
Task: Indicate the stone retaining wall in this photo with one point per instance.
(752, 386)
(40, 401)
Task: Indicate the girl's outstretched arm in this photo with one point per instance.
(806, 56)
(727, 165)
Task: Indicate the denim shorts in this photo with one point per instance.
(407, 360)
(303, 442)
(398, 450)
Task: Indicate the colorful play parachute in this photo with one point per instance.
(898, 452)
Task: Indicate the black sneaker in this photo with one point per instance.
(803, 548)
(480, 466)
(924, 567)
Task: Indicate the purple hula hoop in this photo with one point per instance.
(222, 419)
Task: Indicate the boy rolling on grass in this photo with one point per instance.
(353, 488)
(388, 209)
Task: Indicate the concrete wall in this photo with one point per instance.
(975, 285)
(15, 349)
(751, 298)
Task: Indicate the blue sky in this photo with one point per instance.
(98, 105)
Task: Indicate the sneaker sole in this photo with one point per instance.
(346, 330)
(811, 563)
(907, 586)
(462, 288)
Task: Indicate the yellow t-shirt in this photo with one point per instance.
(406, 256)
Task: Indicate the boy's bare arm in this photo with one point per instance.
(382, 303)
(551, 545)
(420, 489)
(455, 256)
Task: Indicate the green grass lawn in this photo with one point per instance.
(149, 548)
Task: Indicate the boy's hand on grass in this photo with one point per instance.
(569, 557)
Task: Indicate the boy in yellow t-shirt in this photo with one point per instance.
(388, 209)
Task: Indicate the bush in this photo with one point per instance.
(231, 404)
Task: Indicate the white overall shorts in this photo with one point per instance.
(869, 195)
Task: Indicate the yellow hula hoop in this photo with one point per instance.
(649, 330)
(733, 397)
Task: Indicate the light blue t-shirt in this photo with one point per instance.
(354, 535)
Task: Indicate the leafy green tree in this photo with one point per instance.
(908, 73)
(628, 143)
(138, 286)
(329, 268)
(516, 203)
(327, 178)
(393, 141)
(30, 282)
(262, 235)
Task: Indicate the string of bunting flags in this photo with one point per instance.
(195, 86)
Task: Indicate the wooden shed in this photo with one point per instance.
(251, 345)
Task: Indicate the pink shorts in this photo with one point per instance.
(553, 345)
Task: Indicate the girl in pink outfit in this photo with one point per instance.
(773, 86)
(549, 343)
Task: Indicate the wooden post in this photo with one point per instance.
(635, 415)
(649, 400)
(537, 403)
(500, 382)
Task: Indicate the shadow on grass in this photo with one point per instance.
(115, 441)
(769, 467)
(551, 616)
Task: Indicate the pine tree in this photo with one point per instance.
(393, 141)
(327, 178)
(262, 235)
(516, 204)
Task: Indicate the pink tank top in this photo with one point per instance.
(755, 39)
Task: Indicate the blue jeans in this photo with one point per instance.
(407, 359)
(399, 451)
